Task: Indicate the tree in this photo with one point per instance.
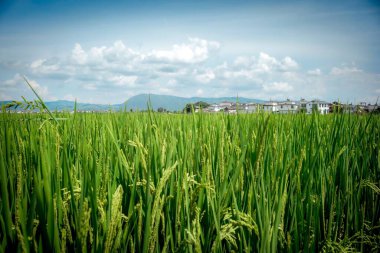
(161, 109)
(201, 105)
(188, 108)
(198, 105)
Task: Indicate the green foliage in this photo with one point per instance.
(161, 109)
(149, 182)
(25, 105)
(192, 107)
(201, 104)
(302, 110)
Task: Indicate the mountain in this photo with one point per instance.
(174, 103)
(140, 102)
(61, 105)
(64, 105)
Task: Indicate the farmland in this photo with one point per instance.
(149, 182)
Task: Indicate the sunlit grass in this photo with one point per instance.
(147, 182)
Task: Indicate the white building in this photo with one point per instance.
(214, 108)
(302, 105)
(225, 104)
(350, 108)
(251, 107)
(270, 107)
(371, 108)
(319, 106)
(287, 107)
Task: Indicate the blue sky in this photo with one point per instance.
(102, 52)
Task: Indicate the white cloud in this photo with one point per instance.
(345, 70)
(79, 55)
(185, 68)
(121, 80)
(41, 90)
(291, 76)
(254, 71)
(197, 50)
(118, 59)
(247, 74)
(69, 97)
(165, 90)
(277, 87)
(17, 78)
(266, 63)
(172, 82)
(42, 66)
(90, 86)
(205, 77)
(315, 72)
(37, 63)
(288, 64)
(243, 61)
(116, 54)
(18, 83)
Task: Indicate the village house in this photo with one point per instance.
(371, 108)
(251, 107)
(213, 108)
(350, 108)
(270, 107)
(317, 105)
(287, 107)
(302, 105)
(225, 104)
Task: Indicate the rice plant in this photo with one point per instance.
(147, 182)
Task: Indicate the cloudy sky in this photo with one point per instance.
(103, 52)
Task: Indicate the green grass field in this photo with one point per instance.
(148, 182)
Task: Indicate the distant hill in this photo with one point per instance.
(61, 105)
(174, 103)
(64, 105)
(140, 102)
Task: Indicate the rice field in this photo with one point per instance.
(149, 182)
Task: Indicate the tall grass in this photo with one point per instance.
(146, 182)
